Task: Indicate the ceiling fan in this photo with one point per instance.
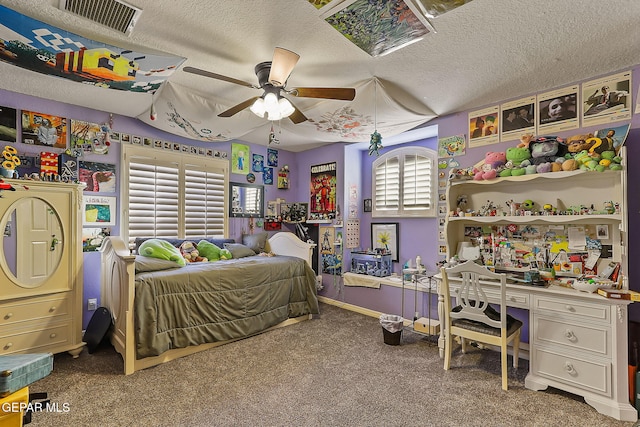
(272, 79)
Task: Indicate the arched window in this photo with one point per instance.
(404, 183)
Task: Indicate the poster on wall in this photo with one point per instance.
(98, 211)
(323, 192)
(557, 110)
(92, 238)
(483, 127)
(272, 157)
(452, 146)
(240, 158)
(44, 129)
(607, 99)
(612, 137)
(99, 177)
(89, 137)
(518, 118)
(8, 124)
(331, 258)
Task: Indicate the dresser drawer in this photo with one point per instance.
(514, 299)
(572, 335)
(36, 340)
(584, 374)
(34, 309)
(582, 309)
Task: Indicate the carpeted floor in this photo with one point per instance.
(334, 370)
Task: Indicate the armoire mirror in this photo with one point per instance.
(32, 241)
(246, 200)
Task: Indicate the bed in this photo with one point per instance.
(160, 315)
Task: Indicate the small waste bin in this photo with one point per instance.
(391, 328)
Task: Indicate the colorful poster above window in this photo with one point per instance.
(99, 177)
(98, 211)
(607, 99)
(267, 176)
(40, 47)
(240, 158)
(44, 129)
(380, 28)
(451, 146)
(323, 192)
(8, 126)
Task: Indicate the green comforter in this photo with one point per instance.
(217, 301)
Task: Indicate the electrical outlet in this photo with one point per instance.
(92, 304)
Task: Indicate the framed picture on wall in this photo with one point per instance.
(384, 236)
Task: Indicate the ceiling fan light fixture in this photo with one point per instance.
(286, 109)
(258, 108)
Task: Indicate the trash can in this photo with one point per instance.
(391, 328)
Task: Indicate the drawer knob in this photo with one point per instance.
(52, 309)
(569, 368)
(8, 345)
(570, 335)
(53, 335)
(569, 308)
(8, 316)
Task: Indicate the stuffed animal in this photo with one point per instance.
(161, 249)
(493, 161)
(516, 156)
(190, 252)
(577, 143)
(525, 140)
(546, 150)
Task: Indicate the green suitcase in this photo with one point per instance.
(19, 370)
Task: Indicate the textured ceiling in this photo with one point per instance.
(484, 52)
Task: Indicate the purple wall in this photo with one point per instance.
(418, 236)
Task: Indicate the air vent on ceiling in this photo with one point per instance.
(112, 13)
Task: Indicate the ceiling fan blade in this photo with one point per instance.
(343, 94)
(297, 116)
(236, 109)
(281, 66)
(204, 73)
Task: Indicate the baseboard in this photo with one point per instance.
(524, 347)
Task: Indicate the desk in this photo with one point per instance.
(577, 343)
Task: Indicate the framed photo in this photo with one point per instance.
(98, 211)
(602, 231)
(385, 236)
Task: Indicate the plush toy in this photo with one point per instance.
(492, 162)
(190, 252)
(577, 143)
(545, 150)
(525, 140)
(158, 248)
(516, 156)
(610, 160)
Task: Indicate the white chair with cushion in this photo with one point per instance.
(473, 318)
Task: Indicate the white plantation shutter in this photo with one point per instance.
(173, 195)
(404, 183)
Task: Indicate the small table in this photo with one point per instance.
(420, 278)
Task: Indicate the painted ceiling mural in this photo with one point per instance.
(36, 46)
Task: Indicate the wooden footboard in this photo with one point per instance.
(118, 293)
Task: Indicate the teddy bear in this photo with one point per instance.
(525, 140)
(190, 252)
(577, 143)
(493, 161)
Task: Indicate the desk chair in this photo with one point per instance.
(473, 318)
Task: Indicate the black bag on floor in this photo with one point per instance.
(97, 328)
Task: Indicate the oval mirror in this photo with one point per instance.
(32, 242)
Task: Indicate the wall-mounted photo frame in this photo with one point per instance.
(385, 236)
(367, 205)
(98, 211)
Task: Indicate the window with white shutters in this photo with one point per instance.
(404, 183)
(173, 195)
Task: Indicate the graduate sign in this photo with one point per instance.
(323, 192)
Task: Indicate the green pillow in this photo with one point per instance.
(161, 249)
(209, 250)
